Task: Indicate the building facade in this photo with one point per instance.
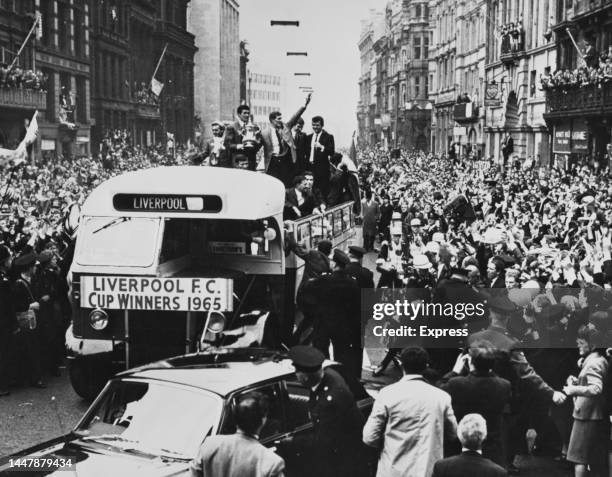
(215, 24)
(59, 51)
(468, 110)
(265, 93)
(394, 109)
(520, 48)
(580, 118)
(442, 73)
(128, 38)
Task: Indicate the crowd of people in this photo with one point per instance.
(512, 35)
(144, 95)
(596, 71)
(20, 78)
(536, 246)
(315, 175)
(36, 232)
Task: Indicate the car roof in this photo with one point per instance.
(221, 371)
(222, 379)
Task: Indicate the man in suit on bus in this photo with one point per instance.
(321, 148)
(280, 155)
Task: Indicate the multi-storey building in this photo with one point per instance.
(265, 93)
(215, 24)
(468, 111)
(394, 109)
(520, 47)
(128, 40)
(580, 119)
(442, 73)
(60, 51)
(17, 105)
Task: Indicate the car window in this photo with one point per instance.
(275, 424)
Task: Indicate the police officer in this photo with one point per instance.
(27, 306)
(510, 363)
(334, 448)
(338, 315)
(47, 286)
(364, 277)
(8, 320)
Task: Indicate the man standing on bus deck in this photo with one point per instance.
(280, 155)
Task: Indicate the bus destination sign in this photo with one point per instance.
(167, 203)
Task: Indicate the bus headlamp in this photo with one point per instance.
(98, 319)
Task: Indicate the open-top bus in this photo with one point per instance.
(172, 260)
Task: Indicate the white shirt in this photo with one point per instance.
(315, 139)
(300, 197)
(275, 142)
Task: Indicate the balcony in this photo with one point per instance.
(23, 98)
(512, 47)
(580, 101)
(147, 111)
(465, 112)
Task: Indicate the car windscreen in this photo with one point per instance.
(152, 417)
(118, 241)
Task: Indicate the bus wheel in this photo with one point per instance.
(87, 378)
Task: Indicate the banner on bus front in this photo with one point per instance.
(157, 294)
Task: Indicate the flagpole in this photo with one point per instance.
(24, 43)
(159, 62)
(575, 44)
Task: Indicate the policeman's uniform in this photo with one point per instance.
(335, 448)
(364, 277)
(8, 322)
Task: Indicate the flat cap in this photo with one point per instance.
(357, 251)
(306, 358)
(341, 258)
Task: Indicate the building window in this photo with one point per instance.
(417, 87)
(404, 97)
(8, 5)
(417, 47)
(425, 47)
(418, 11)
(64, 26)
(47, 22)
(404, 59)
(532, 84)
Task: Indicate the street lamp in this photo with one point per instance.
(284, 23)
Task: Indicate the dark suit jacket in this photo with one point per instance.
(487, 395)
(470, 464)
(364, 277)
(291, 201)
(302, 151)
(321, 165)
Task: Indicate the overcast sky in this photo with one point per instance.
(329, 31)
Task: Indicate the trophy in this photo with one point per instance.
(249, 138)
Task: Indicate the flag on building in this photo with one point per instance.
(156, 86)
